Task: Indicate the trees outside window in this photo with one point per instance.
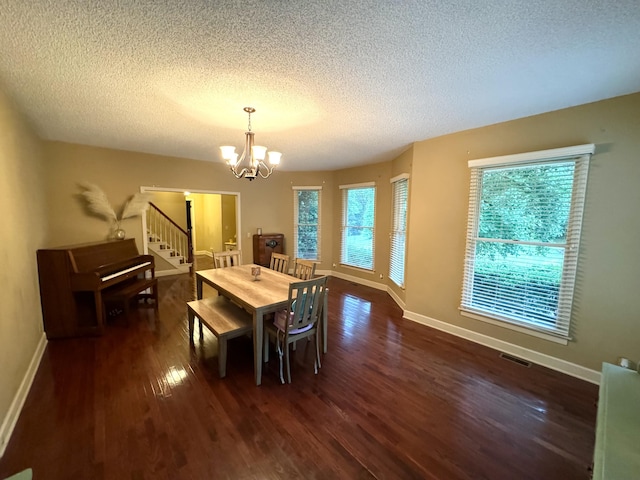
(523, 235)
(358, 225)
(306, 222)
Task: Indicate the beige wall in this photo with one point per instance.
(173, 205)
(208, 222)
(22, 204)
(263, 203)
(606, 313)
(228, 218)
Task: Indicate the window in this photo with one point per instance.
(358, 221)
(525, 217)
(399, 197)
(306, 222)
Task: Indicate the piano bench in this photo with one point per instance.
(224, 319)
(126, 292)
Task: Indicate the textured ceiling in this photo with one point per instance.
(334, 83)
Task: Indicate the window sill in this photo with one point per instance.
(358, 269)
(517, 328)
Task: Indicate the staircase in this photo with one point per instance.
(165, 251)
(168, 242)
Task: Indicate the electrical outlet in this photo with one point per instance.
(334, 265)
(380, 276)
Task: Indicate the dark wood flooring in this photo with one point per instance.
(394, 399)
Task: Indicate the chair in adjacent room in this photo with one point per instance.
(230, 258)
(304, 269)
(300, 320)
(279, 262)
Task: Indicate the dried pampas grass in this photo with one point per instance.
(99, 204)
(97, 201)
(136, 205)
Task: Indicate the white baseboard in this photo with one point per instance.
(548, 361)
(361, 281)
(208, 253)
(10, 420)
(396, 298)
(368, 283)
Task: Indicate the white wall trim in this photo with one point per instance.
(517, 328)
(208, 253)
(368, 283)
(357, 185)
(10, 420)
(542, 155)
(361, 281)
(396, 298)
(402, 176)
(548, 361)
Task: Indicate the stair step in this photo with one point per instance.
(164, 250)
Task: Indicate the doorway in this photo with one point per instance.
(213, 217)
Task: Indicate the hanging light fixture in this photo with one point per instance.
(254, 154)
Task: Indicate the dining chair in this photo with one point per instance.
(301, 319)
(230, 258)
(304, 269)
(279, 262)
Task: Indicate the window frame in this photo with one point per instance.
(396, 212)
(296, 224)
(344, 227)
(579, 155)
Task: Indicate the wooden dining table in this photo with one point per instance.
(267, 293)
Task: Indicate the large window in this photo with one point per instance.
(358, 222)
(399, 198)
(525, 217)
(306, 222)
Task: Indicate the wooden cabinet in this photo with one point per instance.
(264, 245)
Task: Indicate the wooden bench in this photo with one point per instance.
(224, 319)
(126, 292)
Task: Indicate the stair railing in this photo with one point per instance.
(166, 230)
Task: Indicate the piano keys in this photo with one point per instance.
(74, 279)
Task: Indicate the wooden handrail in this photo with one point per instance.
(178, 228)
(155, 207)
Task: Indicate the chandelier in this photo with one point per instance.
(253, 154)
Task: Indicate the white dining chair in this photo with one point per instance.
(301, 319)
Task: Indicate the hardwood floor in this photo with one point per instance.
(394, 399)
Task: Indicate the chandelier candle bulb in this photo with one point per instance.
(259, 152)
(228, 152)
(274, 158)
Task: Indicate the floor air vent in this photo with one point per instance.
(517, 360)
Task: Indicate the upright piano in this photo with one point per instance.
(73, 280)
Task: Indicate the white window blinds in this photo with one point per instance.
(399, 199)
(306, 222)
(358, 225)
(523, 234)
